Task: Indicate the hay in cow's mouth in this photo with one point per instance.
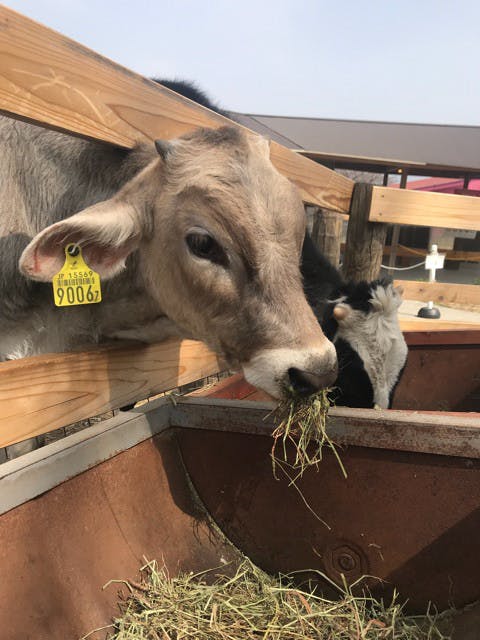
(251, 605)
(301, 422)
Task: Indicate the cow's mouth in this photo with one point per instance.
(302, 371)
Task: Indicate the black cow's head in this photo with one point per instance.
(362, 321)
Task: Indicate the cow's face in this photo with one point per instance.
(219, 233)
(371, 343)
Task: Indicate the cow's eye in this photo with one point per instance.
(203, 245)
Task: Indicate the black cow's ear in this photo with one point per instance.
(163, 148)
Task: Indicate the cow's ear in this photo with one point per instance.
(341, 311)
(164, 148)
(106, 232)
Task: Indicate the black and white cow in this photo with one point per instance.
(361, 319)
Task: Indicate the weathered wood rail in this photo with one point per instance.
(51, 80)
(424, 209)
(462, 295)
(373, 208)
(42, 393)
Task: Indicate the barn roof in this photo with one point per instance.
(422, 149)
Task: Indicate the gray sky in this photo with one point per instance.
(407, 61)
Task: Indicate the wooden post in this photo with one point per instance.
(396, 231)
(327, 234)
(365, 240)
(393, 248)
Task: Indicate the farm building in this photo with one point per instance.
(399, 155)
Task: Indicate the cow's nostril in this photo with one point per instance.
(306, 383)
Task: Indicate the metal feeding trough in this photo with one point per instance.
(192, 484)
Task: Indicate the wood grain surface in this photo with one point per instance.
(42, 393)
(49, 79)
(425, 209)
(447, 293)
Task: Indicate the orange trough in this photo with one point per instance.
(192, 485)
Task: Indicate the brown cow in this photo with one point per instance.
(210, 234)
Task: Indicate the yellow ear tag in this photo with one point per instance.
(75, 283)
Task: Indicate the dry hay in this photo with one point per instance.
(251, 606)
(302, 423)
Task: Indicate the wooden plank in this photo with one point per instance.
(417, 253)
(427, 324)
(327, 234)
(425, 209)
(462, 295)
(43, 393)
(52, 80)
(318, 185)
(365, 240)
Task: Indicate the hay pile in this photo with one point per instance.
(254, 606)
(302, 423)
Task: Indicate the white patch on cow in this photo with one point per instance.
(268, 369)
(377, 337)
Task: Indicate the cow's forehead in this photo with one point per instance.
(239, 174)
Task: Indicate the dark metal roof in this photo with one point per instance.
(252, 123)
(423, 149)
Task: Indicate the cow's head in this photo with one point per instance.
(370, 345)
(218, 232)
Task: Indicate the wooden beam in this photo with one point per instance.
(417, 253)
(462, 295)
(42, 393)
(365, 240)
(49, 79)
(393, 248)
(425, 209)
(408, 325)
(327, 233)
(396, 229)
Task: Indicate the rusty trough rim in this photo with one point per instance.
(24, 478)
(34, 473)
(448, 337)
(442, 433)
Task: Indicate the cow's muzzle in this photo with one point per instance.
(304, 371)
(305, 383)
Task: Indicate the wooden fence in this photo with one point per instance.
(50, 80)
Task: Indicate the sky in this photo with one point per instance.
(402, 61)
